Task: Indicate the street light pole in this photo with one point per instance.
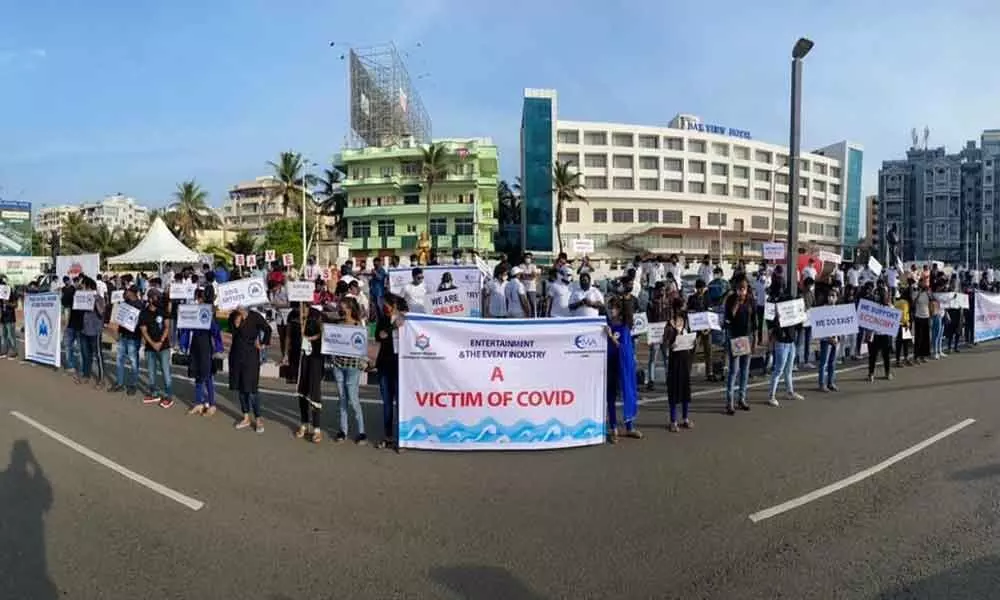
(802, 47)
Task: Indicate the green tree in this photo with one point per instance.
(39, 244)
(293, 181)
(567, 187)
(190, 211)
(285, 237)
(434, 169)
(510, 204)
(77, 235)
(243, 243)
(333, 200)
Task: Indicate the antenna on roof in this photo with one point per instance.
(913, 138)
(927, 134)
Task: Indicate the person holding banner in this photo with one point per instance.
(201, 346)
(347, 372)
(251, 334)
(699, 302)
(8, 323)
(154, 325)
(828, 347)
(904, 338)
(922, 323)
(621, 376)
(387, 362)
(310, 386)
(740, 339)
(659, 312)
(679, 369)
(278, 297)
(90, 338)
(879, 344)
(783, 338)
(938, 317)
(128, 348)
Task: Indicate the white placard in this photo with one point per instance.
(195, 316)
(640, 323)
(835, 320)
(702, 321)
(770, 311)
(830, 257)
(791, 312)
(684, 341)
(84, 300)
(252, 261)
(582, 246)
(288, 260)
(453, 303)
(774, 250)
(4, 292)
(78, 264)
(269, 256)
(117, 296)
(300, 291)
(874, 266)
(42, 329)
(127, 316)
(242, 292)
(239, 260)
(654, 332)
(345, 340)
(952, 300)
(883, 320)
(183, 290)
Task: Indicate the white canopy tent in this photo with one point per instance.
(159, 246)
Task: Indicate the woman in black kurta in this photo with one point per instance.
(251, 333)
(311, 379)
(678, 367)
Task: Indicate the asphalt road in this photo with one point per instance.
(665, 517)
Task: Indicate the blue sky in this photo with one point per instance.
(106, 96)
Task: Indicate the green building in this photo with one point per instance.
(386, 200)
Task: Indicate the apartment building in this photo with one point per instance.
(117, 212)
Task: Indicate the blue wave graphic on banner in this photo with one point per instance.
(490, 431)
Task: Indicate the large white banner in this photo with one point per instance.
(242, 292)
(484, 384)
(987, 317)
(42, 329)
(829, 321)
(78, 264)
(467, 279)
(22, 270)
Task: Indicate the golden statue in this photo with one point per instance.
(424, 248)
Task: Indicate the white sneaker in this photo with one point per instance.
(808, 365)
(795, 396)
(943, 355)
(773, 401)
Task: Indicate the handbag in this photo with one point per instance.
(739, 346)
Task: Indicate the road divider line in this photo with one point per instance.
(107, 462)
(757, 517)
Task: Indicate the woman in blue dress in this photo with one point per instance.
(621, 370)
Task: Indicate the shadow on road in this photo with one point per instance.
(474, 582)
(975, 580)
(25, 497)
(983, 472)
(882, 387)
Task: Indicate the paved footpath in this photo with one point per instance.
(878, 491)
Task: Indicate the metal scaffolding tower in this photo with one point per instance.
(385, 107)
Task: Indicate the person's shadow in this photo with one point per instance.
(25, 497)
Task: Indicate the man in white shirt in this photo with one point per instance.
(558, 293)
(496, 296)
(705, 270)
(674, 267)
(893, 276)
(586, 301)
(517, 296)
(415, 293)
(529, 277)
(809, 272)
(102, 288)
(854, 276)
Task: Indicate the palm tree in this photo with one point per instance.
(510, 204)
(190, 211)
(76, 236)
(433, 170)
(566, 186)
(243, 243)
(127, 239)
(333, 199)
(293, 181)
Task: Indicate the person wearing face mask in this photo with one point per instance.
(309, 388)
(558, 294)
(202, 346)
(679, 371)
(387, 363)
(8, 323)
(880, 344)
(516, 296)
(586, 301)
(804, 340)
(496, 298)
(904, 338)
(699, 302)
(154, 326)
(783, 338)
(529, 277)
(415, 292)
(828, 347)
(739, 322)
(251, 334)
(922, 323)
(659, 312)
(621, 370)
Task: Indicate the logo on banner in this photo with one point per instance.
(255, 289)
(43, 330)
(585, 342)
(359, 341)
(422, 342)
(205, 316)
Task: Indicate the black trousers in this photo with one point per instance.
(921, 338)
(879, 345)
(902, 346)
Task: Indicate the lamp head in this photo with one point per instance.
(802, 47)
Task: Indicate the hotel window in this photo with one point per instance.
(720, 169)
(649, 141)
(781, 179)
(696, 187)
(835, 189)
(819, 203)
(803, 200)
(718, 189)
(649, 163)
(697, 146)
(713, 219)
(832, 231)
(568, 136)
(649, 215)
(804, 184)
(361, 229)
(673, 143)
(819, 186)
(572, 215)
(835, 206)
(387, 228)
(464, 226)
(835, 172)
(782, 160)
(816, 228)
(803, 226)
(600, 215)
(622, 215)
(780, 224)
(568, 158)
(762, 156)
(673, 185)
(623, 140)
(386, 171)
(821, 168)
(675, 165)
(649, 184)
(741, 152)
(803, 166)
(672, 217)
(741, 191)
(595, 160)
(760, 223)
(621, 161)
(595, 138)
(762, 175)
(737, 224)
(696, 166)
(622, 183)
(761, 194)
(595, 183)
(720, 149)
(741, 172)
(439, 226)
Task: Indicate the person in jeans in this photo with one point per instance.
(128, 349)
(699, 302)
(784, 337)
(90, 339)
(828, 347)
(804, 353)
(937, 329)
(8, 322)
(347, 372)
(154, 326)
(251, 334)
(658, 312)
(74, 330)
(740, 321)
(879, 344)
(387, 362)
(201, 346)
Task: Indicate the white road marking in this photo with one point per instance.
(757, 517)
(107, 462)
